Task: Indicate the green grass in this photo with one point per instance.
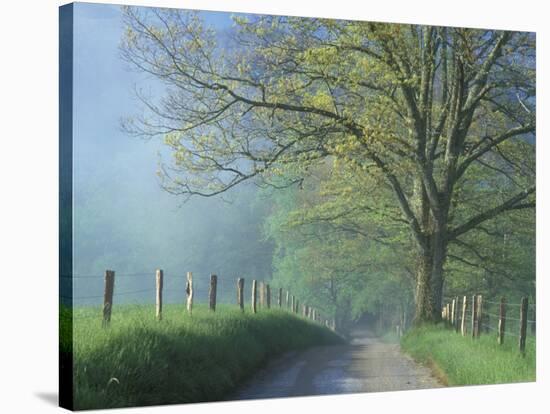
(141, 361)
(464, 361)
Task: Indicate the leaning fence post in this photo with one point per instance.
(189, 291)
(159, 279)
(108, 296)
(254, 296)
(463, 327)
(453, 313)
(457, 318)
(267, 296)
(280, 298)
(240, 293)
(501, 320)
(212, 292)
(479, 315)
(523, 324)
(474, 311)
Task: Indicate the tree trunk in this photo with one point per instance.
(439, 254)
(429, 279)
(423, 293)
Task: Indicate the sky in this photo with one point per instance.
(123, 220)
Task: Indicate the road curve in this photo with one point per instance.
(364, 365)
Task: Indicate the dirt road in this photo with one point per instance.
(364, 365)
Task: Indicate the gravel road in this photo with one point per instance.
(364, 365)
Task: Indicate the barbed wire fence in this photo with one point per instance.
(158, 287)
(474, 315)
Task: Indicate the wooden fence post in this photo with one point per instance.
(189, 291)
(159, 279)
(463, 327)
(457, 315)
(474, 311)
(212, 292)
(262, 294)
(453, 305)
(479, 312)
(292, 301)
(280, 298)
(108, 296)
(268, 296)
(254, 296)
(296, 306)
(240, 293)
(304, 310)
(287, 301)
(534, 323)
(501, 320)
(523, 324)
(448, 313)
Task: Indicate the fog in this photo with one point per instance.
(123, 219)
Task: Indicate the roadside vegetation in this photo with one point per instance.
(141, 361)
(460, 360)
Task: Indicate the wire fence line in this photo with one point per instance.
(225, 286)
(188, 288)
(472, 315)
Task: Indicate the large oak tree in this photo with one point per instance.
(426, 112)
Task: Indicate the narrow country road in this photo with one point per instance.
(364, 365)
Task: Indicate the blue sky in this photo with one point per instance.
(103, 90)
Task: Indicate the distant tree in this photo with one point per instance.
(434, 115)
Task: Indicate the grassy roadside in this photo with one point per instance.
(459, 360)
(140, 361)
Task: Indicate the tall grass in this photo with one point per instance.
(141, 361)
(464, 361)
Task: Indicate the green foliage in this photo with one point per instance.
(141, 361)
(413, 137)
(465, 361)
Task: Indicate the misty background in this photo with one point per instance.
(123, 219)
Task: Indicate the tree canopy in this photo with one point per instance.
(424, 136)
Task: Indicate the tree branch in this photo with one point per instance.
(510, 204)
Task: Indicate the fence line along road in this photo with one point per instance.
(258, 288)
(474, 314)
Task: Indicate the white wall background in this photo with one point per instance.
(28, 203)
